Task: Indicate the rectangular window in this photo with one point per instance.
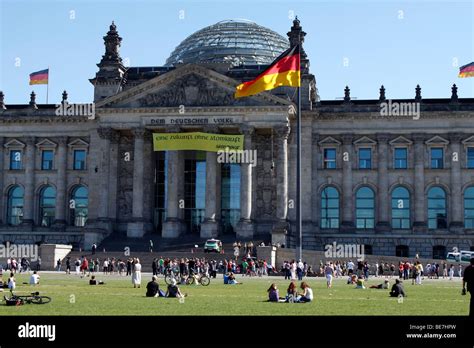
(437, 158)
(365, 158)
(15, 159)
(400, 158)
(79, 159)
(329, 159)
(47, 157)
(470, 157)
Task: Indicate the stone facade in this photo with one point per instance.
(119, 170)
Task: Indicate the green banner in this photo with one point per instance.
(197, 141)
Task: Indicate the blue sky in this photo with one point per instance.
(395, 43)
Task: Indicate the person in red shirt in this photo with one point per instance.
(84, 266)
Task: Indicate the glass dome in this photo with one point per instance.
(235, 41)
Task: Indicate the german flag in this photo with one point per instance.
(39, 77)
(466, 70)
(284, 71)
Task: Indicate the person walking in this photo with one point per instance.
(68, 265)
(38, 264)
(299, 269)
(468, 282)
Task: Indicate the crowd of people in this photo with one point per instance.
(186, 266)
(22, 265)
(404, 270)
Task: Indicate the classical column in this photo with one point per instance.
(280, 228)
(245, 227)
(61, 183)
(347, 224)
(419, 182)
(456, 217)
(106, 134)
(173, 225)
(383, 198)
(113, 175)
(135, 229)
(210, 227)
(29, 160)
(2, 169)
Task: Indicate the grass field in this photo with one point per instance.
(73, 296)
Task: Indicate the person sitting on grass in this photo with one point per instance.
(273, 294)
(397, 289)
(94, 281)
(35, 278)
(291, 292)
(352, 279)
(307, 295)
(152, 288)
(232, 279)
(173, 290)
(384, 285)
(360, 283)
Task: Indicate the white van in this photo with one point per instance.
(463, 256)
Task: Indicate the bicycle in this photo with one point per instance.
(170, 276)
(34, 298)
(201, 278)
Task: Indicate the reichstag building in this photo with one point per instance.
(401, 185)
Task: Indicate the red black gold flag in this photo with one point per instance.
(284, 71)
(466, 70)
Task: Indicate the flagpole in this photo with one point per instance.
(299, 225)
(47, 88)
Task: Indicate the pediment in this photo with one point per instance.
(437, 140)
(14, 143)
(401, 140)
(46, 143)
(469, 141)
(329, 141)
(365, 141)
(189, 86)
(78, 143)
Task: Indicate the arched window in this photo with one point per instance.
(47, 206)
(469, 207)
(400, 208)
(78, 205)
(437, 208)
(365, 208)
(15, 205)
(330, 208)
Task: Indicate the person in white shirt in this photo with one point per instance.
(11, 282)
(35, 278)
(350, 267)
(300, 269)
(329, 272)
(137, 273)
(307, 294)
(293, 270)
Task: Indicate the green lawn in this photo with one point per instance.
(73, 296)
